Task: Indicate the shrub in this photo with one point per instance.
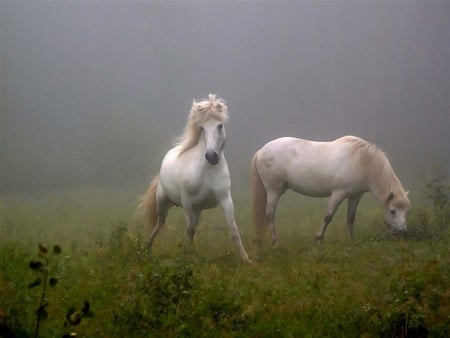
(157, 299)
(432, 223)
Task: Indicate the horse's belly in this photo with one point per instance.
(323, 184)
(311, 189)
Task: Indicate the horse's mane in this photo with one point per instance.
(200, 112)
(379, 168)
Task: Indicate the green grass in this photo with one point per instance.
(376, 285)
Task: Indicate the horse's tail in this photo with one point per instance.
(259, 200)
(149, 204)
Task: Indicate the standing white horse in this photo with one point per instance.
(345, 168)
(194, 174)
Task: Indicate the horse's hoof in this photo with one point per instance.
(148, 253)
(248, 261)
(319, 239)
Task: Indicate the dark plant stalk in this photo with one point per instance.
(41, 302)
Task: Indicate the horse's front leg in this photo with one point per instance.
(352, 204)
(333, 203)
(226, 204)
(192, 218)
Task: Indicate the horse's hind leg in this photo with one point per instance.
(271, 208)
(163, 206)
(333, 203)
(353, 202)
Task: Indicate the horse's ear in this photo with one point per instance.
(196, 106)
(218, 107)
(390, 197)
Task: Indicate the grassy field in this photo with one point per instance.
(377, 285)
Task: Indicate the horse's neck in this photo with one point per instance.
(380, 194)
(382, 185)
(195, 153)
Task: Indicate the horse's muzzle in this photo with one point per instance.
(212, 157)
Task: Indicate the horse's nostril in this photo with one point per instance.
(212, 157)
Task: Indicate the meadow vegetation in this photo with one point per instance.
(378, 285)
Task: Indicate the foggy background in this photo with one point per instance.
(93, 93)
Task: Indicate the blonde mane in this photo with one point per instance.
(201, 112)
(379, 169)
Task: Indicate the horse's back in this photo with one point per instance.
(309, 167)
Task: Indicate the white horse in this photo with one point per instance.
(194, 174)
(345, 168)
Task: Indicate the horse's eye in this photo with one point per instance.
(392, 212)
(220, 126)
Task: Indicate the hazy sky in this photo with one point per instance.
(94, 92)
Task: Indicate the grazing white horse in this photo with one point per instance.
(194, 174)
(345, 168)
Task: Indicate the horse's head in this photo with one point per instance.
(396, 208)
(210, 117)
(214, 136)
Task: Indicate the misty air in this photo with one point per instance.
(171, 167)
